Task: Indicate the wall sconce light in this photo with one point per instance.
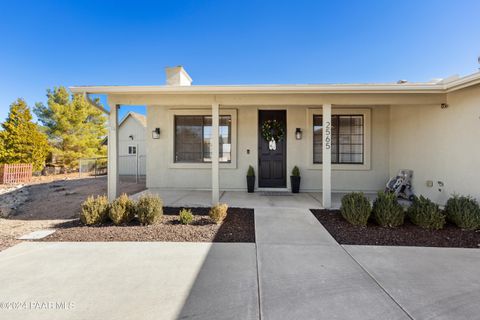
(131, 136)
(156, 133)
(298, 134)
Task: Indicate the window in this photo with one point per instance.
(132, 150)
(347, 139)
(192, 139)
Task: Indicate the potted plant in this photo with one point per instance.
(295, 179)
(250, 179)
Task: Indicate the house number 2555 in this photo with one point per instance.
(328, 134)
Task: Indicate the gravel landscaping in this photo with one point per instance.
(406, 235)
(48, 201)
(238, 227)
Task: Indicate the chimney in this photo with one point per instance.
(177, 76)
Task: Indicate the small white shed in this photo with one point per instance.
(131, 143)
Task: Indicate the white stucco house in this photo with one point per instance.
(343, 137)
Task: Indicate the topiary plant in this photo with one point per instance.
(122, 210)
(218, 213)
(295, 172)
(149, 209)
(386, 211)
(250, 172)
(185, 216)
(356, 208)
(94, 210)
(464, 212)
(426, 214)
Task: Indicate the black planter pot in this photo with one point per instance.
(250, 184)
(295, 182)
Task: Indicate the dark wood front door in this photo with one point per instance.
(272, 163)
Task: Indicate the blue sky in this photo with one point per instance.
(51, 43)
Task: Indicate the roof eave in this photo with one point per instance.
(256, 90)
(403, 88)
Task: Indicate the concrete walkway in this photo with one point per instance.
(238, 199)
(305, 274)
(241, 199)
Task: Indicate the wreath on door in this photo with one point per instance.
(272, 130)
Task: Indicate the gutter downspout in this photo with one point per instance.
(86, 95)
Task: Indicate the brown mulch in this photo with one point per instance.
(238, 227)
(406, 235)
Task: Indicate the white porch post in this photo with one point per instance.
(214, 146)
(326, 156)
(112, 184)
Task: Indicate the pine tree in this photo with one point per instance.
(75, 128)
(21, 140)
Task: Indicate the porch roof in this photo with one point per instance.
(436, 86)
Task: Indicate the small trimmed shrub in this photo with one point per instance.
(250, 172)
(94, 210)
(185, 216)
(149, 209)
(464, 212)
(295, 172)
(218, 213)
(122, 210)
(426, 214)
(386, 211)
(356, 208)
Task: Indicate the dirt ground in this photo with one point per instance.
(48, 201)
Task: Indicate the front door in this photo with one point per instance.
(272, 159)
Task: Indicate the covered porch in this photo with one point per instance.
(386, 113)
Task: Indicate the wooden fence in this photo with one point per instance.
(15, 173)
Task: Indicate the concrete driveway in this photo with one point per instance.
(428, 283)
(296, 270)
(128, 280)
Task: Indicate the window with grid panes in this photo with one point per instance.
(347, 139)
(192, 139)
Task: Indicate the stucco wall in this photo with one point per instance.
(161, 174)
(439, 144)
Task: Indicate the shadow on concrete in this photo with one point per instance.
(226, 285)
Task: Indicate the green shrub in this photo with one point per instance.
(122, 210)
(218, 213)
(426, 214)
(250, 172)
(464, 212)
(296, 172)
(356, 208)
(185, 216)
(149, 209)
(386, 211)
(94, 210)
